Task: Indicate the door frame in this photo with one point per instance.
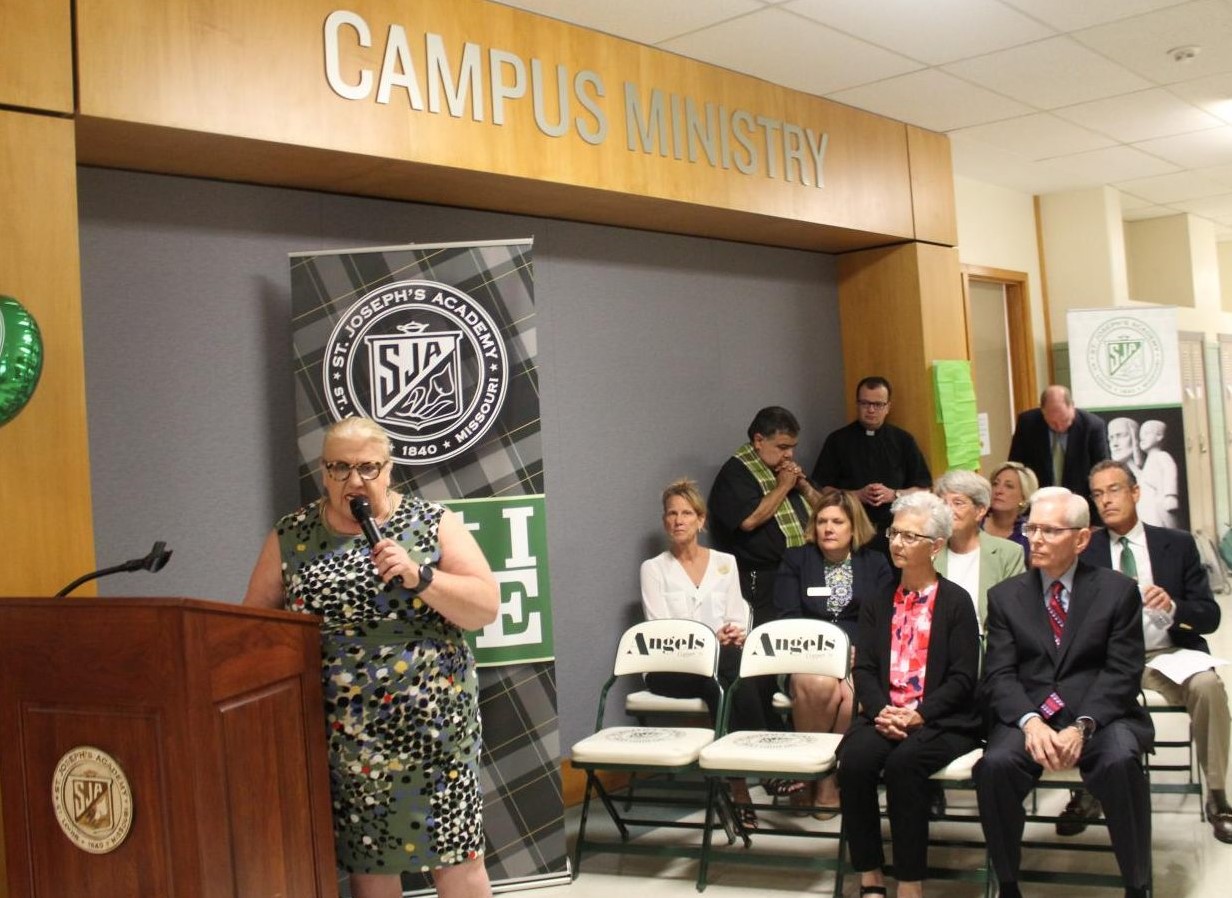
(1021, 340)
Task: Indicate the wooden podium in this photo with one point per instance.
(212, 716)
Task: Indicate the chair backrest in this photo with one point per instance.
(667, 645)
(798, 645)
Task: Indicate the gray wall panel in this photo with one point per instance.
(655, 350)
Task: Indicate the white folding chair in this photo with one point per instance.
(798, 646)
(668, 646)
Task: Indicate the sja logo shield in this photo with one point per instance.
(416, 379)
(424, 360)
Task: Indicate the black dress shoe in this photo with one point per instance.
(1082, 808)
(1009, 890)
(1219, 815)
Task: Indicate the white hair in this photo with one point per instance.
(939, 516)
(1077, 512)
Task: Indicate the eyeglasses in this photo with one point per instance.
(909, 538)
(1114, 490)
(367, 470)
(1048, 533)
(870, 403)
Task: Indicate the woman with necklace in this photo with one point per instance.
(401, 693)
(829, 578)
(1013, 485)
(916, 668)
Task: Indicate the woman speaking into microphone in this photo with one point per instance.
(401, 693)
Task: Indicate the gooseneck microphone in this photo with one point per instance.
(361, 511)
(153, 561)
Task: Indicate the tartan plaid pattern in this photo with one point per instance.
(508, 460)
(523, 806)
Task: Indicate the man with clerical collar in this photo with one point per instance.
(759, 505)
(1061, 676)
(1177, 609)
(872, 459)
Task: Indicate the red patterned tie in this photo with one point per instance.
(1056, 611)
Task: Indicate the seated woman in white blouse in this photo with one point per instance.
(692, 582)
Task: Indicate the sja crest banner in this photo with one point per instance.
(1125, 366)
(437, 344)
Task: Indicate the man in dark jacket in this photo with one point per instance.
(1059, 442)
(1061, 678)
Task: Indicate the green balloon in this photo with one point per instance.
(21, 358)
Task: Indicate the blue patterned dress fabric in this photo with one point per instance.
(401, 698)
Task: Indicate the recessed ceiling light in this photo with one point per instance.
(1184, 54)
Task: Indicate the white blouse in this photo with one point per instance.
(667, 591)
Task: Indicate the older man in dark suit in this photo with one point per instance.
(1061, 674)
(1060, 442)
(1177, 609)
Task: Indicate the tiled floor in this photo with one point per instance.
(1189, 862)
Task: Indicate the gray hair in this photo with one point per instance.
(1077, 512)
(965, 483)
(356, 428)
(940, 518)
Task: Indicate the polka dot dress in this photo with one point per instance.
(401, 698)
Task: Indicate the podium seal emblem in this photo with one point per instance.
(92, 799)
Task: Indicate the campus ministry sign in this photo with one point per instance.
(421, 72)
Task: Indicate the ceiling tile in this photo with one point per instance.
(1118, 163)
(1067, 15)
(644, 21)
(1129, 201)
(1050, 73)
(1216, 207)
(982, 162)
(1171, 188)
(1144, 212)
(934, 32)
(1201, 149)
(931, 99)
(792, 51)
(1213, 93)
(1142, 44)
(1140, 116)
(1036, 136)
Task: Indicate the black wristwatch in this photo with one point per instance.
(426, 573)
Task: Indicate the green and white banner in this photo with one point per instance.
(437, 343)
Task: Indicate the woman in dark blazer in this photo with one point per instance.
(829, 578)
(916, 667)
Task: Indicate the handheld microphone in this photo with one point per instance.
(361, 510)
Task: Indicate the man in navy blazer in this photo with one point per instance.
(1057, 426)
(1178, 608)
(1061, 674)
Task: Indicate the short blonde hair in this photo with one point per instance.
(862, 530)
(686, 489)
(1027, 481)
(355, 428)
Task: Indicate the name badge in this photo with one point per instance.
(822, 592)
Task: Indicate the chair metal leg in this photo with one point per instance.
(712, 793)
(581, 836)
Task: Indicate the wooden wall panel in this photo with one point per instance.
(36, 59)
(47, 527)
(900, 309)
(932, 187)
(257, 72)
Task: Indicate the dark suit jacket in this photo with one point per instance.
(1086, 444)
(1097, 669)
(950, 674)
(804, 567)
(1175, 566)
